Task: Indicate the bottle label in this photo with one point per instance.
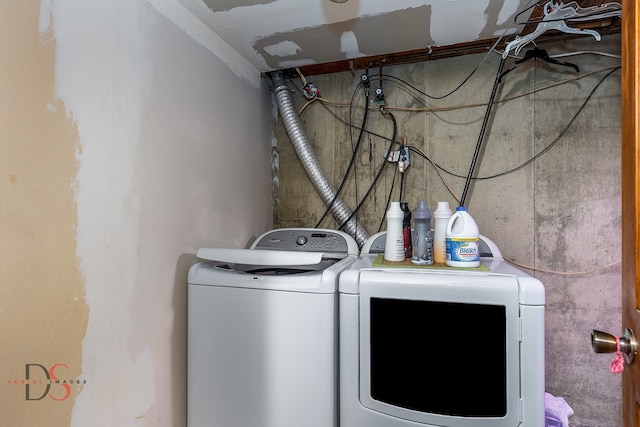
(408, 247)
(464, 249)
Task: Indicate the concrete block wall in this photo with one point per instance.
(559, 215)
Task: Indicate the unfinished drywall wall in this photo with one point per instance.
(125, 149)
(559, 214)
(256, 29)
(43, 314)
(181, 170)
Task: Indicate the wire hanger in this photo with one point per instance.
(606, 10)
(573, 12)
(555, 15)
(537, 53)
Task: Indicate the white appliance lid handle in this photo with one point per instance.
(258, 257)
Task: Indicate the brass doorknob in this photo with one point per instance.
(603, 342)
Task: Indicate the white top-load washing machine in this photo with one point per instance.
(440, 346)
(262, 331)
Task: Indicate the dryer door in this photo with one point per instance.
(440, 347)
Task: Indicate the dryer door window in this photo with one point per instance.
(439, 357)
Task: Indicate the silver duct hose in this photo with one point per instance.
(310, 162)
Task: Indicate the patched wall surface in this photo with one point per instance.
(43, 314)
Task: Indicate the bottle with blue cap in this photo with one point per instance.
(463, 240)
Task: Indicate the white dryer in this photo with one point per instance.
(440, 346)
(262, 331)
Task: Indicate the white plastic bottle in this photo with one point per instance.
(463, 240)
(441, 218)
(394, 244)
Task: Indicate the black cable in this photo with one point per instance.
(476, 153)
(340, 119)
(367, 85)
(465, 80)
(513, 170)
(377, 177)
(421, 92)
(544, 150)
(364, 81)
(386, 205)
(446, 94)
(353, 155)
(515, 18)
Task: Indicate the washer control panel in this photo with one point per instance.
(306, 240)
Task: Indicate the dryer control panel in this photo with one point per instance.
(307, 240)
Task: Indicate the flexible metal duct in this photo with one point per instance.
(310, 162)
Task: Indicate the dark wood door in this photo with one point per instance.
(630, 203)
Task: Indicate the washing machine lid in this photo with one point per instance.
(274, 270)
(281, 275)
(259, 257)
(290, 259)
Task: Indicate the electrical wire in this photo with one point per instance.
(386, 206)
(326, 102)
(353, 155)
(550, 145)
(566, 54)
(564, 273)
(391, 140)
(302, 78)
(515, 17)
(475, 69)
(585, 52)
(485, 121)
(354, 149)
(391, 117)
(438, 168)
(386, 114)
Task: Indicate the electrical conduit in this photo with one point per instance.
(310, 162)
